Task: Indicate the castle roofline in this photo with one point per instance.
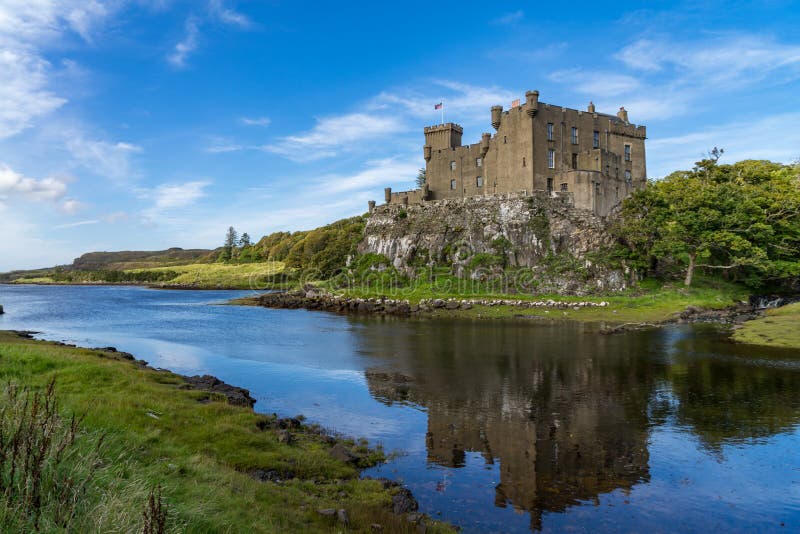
(445, 126)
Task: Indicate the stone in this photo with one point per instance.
(284, 436)
(341, 453)
(404, 502)
(342, 517)
(327, 512)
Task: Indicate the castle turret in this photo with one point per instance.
(485, 138)
(387, 194)
(497, 114)
(443, 136)
(590, 109)
(623, 114)
(426, 152)
(532, 100)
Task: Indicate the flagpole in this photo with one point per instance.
(442, 110)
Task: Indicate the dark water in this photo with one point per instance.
(504, 426)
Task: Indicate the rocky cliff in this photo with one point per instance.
(480, 236)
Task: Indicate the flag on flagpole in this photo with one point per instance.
(515, 103)
(438, 106)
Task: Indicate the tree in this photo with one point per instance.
(421, 178)
(741, 219)
(229, 248)
(245, 240)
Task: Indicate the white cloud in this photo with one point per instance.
(255, 121)
(227, 15)
(172, 196)
(509, 18)
(740, 59)
(185, 46)
(105, 158)
(72, 206)
(76, 224)
(669, 77)
(24, 96)
(333, 133)
(13, 183)
(378, 174)
(464, 103)
(778, 140)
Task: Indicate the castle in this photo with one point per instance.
(594, 158)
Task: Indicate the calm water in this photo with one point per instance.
(504, 426)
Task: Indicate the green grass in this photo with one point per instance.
(157, 433)
(780, 328)
(649, 302)
(210, 275)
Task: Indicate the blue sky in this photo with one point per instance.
(145, 124)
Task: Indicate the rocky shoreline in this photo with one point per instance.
(312, 300)
(403, 502)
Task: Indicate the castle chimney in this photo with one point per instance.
(371, 205)
(497, 113)
(532, 100)
(591, 107)
(622, 114)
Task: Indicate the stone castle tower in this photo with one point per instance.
(595, 158)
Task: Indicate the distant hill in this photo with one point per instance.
(127, 259)
(141, 259)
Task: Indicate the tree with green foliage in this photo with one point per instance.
(741, 219)
(244, 241)
(229, 248)
(422, 178)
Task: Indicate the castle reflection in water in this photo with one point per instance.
(566, 413)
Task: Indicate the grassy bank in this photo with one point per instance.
(779, 328)
(197, 276)
(198, 448)
(649, 302)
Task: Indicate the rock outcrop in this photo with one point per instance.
(522, 230)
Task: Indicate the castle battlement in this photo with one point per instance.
(598, 158)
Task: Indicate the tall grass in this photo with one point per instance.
(44, 470)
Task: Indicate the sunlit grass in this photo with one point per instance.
(780, 328)
(157, 433)
(204, 275)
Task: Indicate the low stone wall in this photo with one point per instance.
(401, 307)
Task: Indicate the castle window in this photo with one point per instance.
(479, 162)
(523, 162)
(595, 139)
(597, 187)
(574, 161)
(505, 139)
(551, 159)
(452, 165)
(479, 181)
(574, 136)
(628, 177)
(549, 131)
(452, 184)
(627, 152)
(564, 187)
(549, 185)
(617, 172)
